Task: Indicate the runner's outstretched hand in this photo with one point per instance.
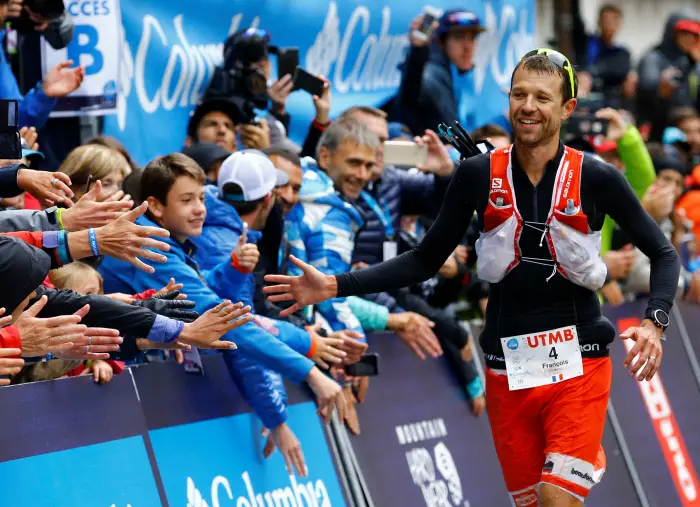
(310, 288)
(647, 347)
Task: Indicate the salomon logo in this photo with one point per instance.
(583, 476)
(497, 183)
(588, 347)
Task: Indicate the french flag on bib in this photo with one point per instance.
(556, 378)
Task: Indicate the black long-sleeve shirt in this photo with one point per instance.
(524, 302)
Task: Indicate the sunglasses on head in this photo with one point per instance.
(560, 61)
(256, 32)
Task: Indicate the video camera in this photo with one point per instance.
(241, 79)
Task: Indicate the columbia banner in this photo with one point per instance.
(170, 49)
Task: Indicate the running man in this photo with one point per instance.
(540, 206)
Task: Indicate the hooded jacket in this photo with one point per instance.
(652, 108)
(222, 229)
(254, 344)
(330, 224)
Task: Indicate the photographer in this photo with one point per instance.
(244, 76)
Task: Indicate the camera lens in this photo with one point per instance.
(257, 84)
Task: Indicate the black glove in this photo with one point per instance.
(177, 309)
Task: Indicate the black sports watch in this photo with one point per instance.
(659, 317)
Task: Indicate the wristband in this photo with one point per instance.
(59, 217)
(92, 235)
(62, 249)
(237, 266)
(312, 349)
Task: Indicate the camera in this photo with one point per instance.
(48, 9)
(250, 85)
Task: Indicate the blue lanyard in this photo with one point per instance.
(381, 212)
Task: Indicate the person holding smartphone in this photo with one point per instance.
(437, 83)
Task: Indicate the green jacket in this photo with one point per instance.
(639, 172)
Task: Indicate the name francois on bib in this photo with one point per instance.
(544, 358)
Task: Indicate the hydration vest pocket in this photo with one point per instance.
(496, 250)
(577, 254)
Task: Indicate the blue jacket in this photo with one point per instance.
(328, 233)
(433, 91)
(254, 344)
(222, 228)
(398, 192)
(35, 106)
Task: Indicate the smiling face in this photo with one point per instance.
(349, 166)
(183, 212)
(537, 109)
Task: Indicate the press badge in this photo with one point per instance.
(391, 250)
(543, 358)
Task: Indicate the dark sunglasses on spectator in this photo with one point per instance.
(560, 61)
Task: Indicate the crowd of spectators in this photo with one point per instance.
(106, 264)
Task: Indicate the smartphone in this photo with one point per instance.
(425, 30)
(367, 366)
(306, 81)
(10, 140)
(587, 125)
(404, 153)
(287, 61)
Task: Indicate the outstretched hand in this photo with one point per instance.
(309, 288)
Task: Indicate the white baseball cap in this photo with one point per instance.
(253, 172)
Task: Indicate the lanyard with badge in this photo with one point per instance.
(390, 248)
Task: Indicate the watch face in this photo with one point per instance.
(661, 317)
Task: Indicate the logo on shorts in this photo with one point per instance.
(513, 344)
(548, 466)
(582, 475)
(525, 500)
(496, 183)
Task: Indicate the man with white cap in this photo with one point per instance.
(237, 209)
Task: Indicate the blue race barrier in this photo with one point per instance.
(154, 436)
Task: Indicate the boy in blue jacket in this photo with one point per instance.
(173, 187)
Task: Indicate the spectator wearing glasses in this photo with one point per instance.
(437, 83)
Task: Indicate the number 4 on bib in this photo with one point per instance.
(553, 353)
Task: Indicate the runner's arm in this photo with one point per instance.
(423, 261)
(616, 197)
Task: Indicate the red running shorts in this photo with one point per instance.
(550, 434)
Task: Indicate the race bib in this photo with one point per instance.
(540, 359)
